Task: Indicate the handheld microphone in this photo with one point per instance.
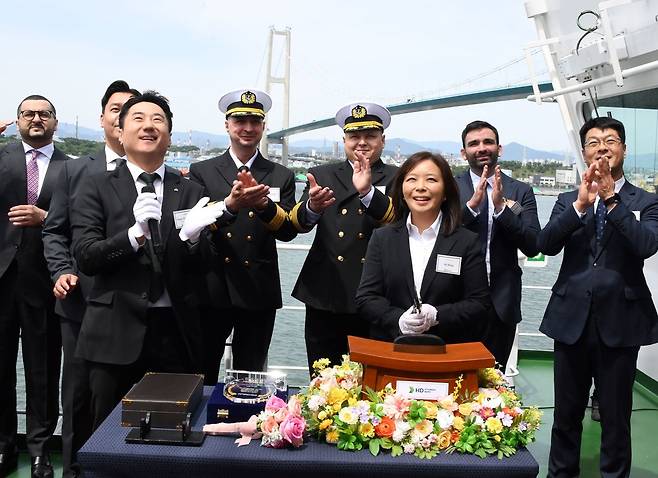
(154, 228)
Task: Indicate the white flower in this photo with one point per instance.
(401, 429)
(315, 402)
(445, 419)
(409, 448)
(505, 418)
(478, 420)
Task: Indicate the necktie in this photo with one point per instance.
(118, 162)
(484, 221)
(601, 211)
(32, 175)
(243, 169)
(153, 246)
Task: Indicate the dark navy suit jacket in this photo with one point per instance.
(606, 280)
(509, 232)
(386, 290)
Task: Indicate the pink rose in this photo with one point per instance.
(281, 415)
(274, 403)
(268, 425)
(292, 430)
(294, 406)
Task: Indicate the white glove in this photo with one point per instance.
(199, 217)
(429, 314)
(146, 207)
(412, 322)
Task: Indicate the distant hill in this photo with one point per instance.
(511, 151)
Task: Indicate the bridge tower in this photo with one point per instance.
(270, 79)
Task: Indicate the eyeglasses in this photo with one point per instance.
(609, 142)
(43, 114)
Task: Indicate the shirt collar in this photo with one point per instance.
(619, 183)
(111, 155)
(46, 150)
(436, 225)
(135, 170)
(475, 179)
(238, 163)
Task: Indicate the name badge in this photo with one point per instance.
(381, 189)
(179, 217)
(275, 194)
(448, 264)
(637, 215)
(413, 390)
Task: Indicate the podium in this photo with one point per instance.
(382, 364)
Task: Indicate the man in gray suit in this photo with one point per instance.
(71, 286)
(28, 173)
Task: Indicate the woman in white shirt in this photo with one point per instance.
(424, 273)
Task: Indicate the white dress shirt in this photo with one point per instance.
(421, 246)
(111, 157)
(238, 163)
(158, 184)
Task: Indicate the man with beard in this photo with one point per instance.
(503, 211)
(245, 287)
(347, 201)
(28, 173)
(600, 311)
(71, 286)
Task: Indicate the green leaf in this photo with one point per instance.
(396, 450)
(373, 446)
(481, 453)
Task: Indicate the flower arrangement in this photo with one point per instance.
(281, 423)
(489, 422)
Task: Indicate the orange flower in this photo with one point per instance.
(385, 428)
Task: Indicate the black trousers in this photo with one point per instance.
(77, 418)
(499, 338)
(40, 339)
(326, 334)
(163, 351)
(613, 370)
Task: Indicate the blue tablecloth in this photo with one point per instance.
(107, 455)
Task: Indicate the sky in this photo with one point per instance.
(194, 51)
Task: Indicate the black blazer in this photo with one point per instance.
(606, 281)
(246, 274)
(332, 270)
(57, 245)
(114, 322)
(509, 232)
(386, 290)
(24, 244)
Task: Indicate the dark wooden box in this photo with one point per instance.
(169, 397)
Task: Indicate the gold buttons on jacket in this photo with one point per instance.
(251, 214)
(359, 211)
(249, 238)
(363, 260)
(246, 263)
(341, 234)
(229, 235)
(340, 258)
(227, 259)
(360, 235)
(343, 211)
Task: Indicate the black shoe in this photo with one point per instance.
(41, 467)
(596, 415)
(8, 463)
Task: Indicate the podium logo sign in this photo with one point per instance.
(413, 390)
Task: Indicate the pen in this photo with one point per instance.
(417, 302)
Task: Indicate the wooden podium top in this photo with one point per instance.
(458, 357)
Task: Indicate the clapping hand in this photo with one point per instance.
(319, 198)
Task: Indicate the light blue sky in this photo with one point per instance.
(193, 51)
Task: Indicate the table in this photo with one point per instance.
(106, 455)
